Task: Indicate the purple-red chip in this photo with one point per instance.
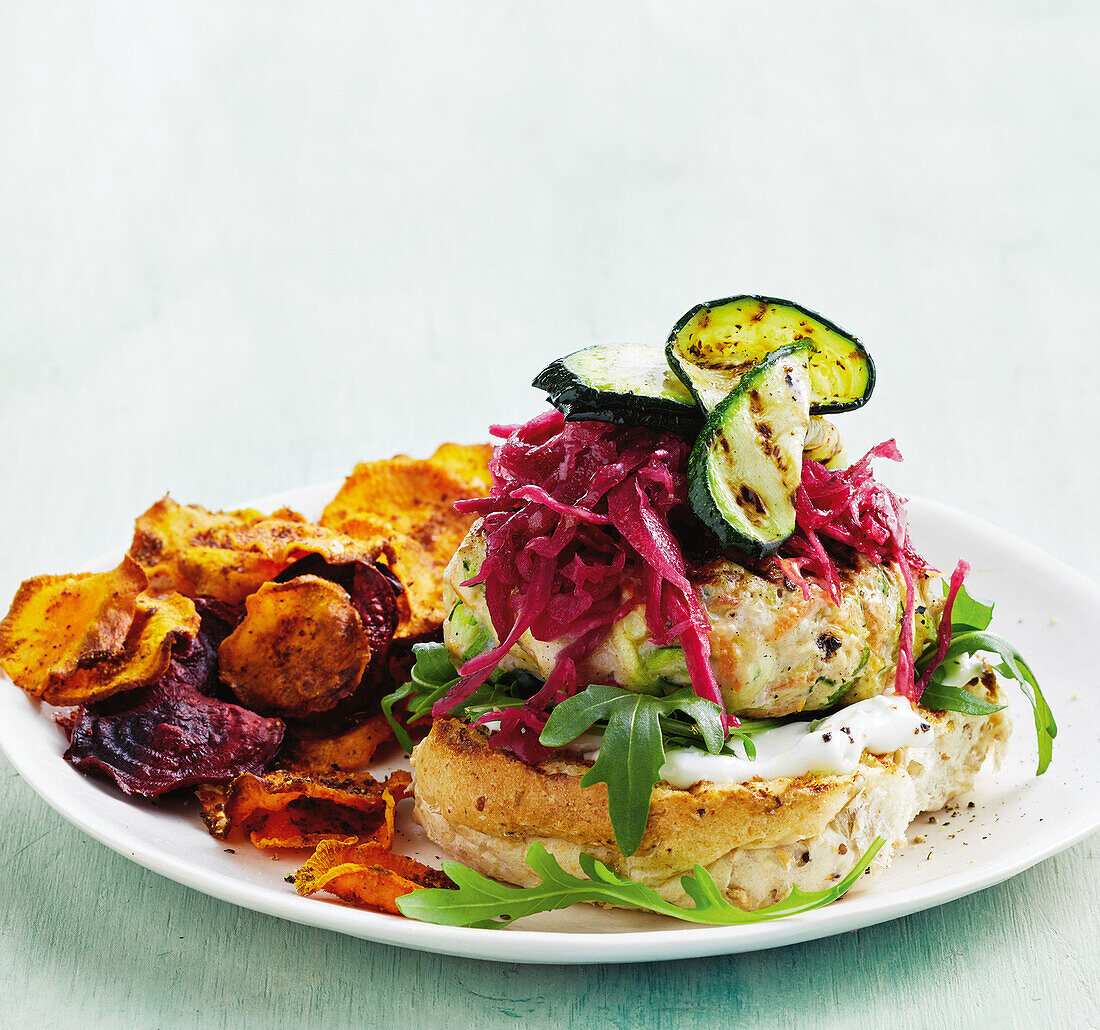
(219, 618)
(174, 738)
(197, 661)
(373, 597)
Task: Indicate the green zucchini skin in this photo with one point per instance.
(842, 374)
(625, 384)
(746, 465)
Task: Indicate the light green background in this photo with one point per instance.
(243, 246)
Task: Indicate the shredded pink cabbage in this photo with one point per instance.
(945, 634)
(519, 730)
(577, 532)
(851, 507)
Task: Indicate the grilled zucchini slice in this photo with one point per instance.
(746, 465)
(714, 344)
(626, 383)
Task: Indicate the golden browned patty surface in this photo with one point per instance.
(774, 652)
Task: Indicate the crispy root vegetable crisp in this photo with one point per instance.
(58, 625)
(244, 654)
(365, 873)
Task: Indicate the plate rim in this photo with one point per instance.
(515, 944)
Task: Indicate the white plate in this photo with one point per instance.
(1049, 611)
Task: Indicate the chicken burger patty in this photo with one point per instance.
(774, 652)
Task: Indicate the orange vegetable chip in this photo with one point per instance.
(228, 554)
(161, 623)
(300, 648)
(349, 750)
(365, 874)
(421, 573)
(470, 461)
(57, 624)
(415, 497)
(212, 798)
(405, 506)
(280, 810)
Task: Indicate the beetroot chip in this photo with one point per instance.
(175, 737)
(219, 619)
(391, 577)
(197, 662)
(373, 597)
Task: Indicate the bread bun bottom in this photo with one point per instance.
(486, 808)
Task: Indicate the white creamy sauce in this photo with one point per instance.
(960, 671)
(588, 744)
(881, 725)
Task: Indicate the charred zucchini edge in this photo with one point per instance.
(819, 408)
(730, 527)
(581, 399)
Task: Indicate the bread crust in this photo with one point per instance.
(487, 807)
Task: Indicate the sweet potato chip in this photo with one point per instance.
(161, 624)
(300, 649)
(228, 554)
(415, 497)
(365, 874)
(345, 751)
(409, 504)
(57, 624)
(470, 461)
(421, 573)
(280, 810)
(371, 587)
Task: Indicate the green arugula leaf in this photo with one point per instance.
(943, 698)
(968, 612)
(970, 617)
(706, 715)
(629, 763)
(431, 677)
(750, 727)
(433, 666)
(632, 751)
(578, 714)
(481, 902)
(1014, 667)
(687, 734)
(433, 674)
(401, 735)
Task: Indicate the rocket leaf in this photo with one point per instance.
(484, 903)
(632, 750)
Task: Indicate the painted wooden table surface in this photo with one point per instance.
(244, 246)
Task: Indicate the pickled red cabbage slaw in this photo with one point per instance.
(851, 507)
(577, 533)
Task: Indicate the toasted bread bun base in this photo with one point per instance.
(486, 807)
